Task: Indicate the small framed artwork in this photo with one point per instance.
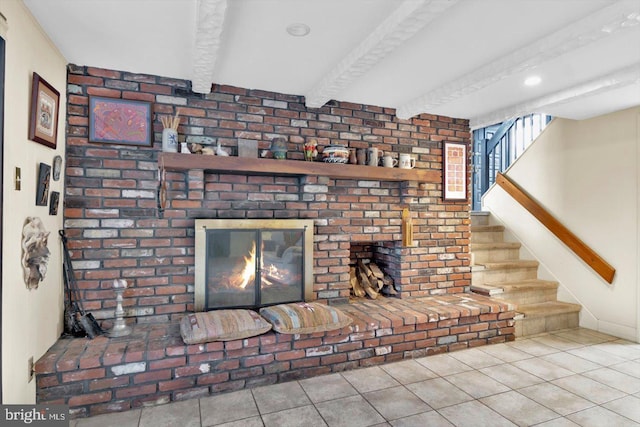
(53, 203)
(57, 167)
(42, 191)
(454, 171)
(43, 123)
(120, 121)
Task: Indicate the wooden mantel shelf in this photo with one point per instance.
(246, 165)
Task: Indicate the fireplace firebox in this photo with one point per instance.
(252, 263)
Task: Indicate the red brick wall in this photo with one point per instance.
(115, 230)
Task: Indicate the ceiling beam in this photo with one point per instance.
(598, 25)
(409, 18)
(620, 78)
(210, 15)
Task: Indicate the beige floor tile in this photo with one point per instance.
(597, 356)
(408, 371)
(627, 406)
(247, 422)
(599, 416)
(121, 419)
(533, 348)
(584, 336)
(476, 358)
(215, 409)
(630, 368)
(327, 387)
(557, 342)
(569, 361)
(396, 402)
(351, 411)
(477, 384)
(474, 414)
(589, 389)
(186, 414)
(278, 397)
(543, 369)
(369, 379)
(556, 398)
(438, 393)
(307, 416)
(615, 379)
(443, 364)
(430, 419)
(511, 376)
(505, 352)
(558, 422)
(519, 409)
(624, 349)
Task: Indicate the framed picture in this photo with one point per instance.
(43, 123)
(120, 121)
(454, 171)
(53, 203)
(42, 191)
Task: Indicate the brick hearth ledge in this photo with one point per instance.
(153, 365)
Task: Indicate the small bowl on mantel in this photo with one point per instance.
(335, 154)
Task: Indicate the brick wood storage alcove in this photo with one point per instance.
(116, 230)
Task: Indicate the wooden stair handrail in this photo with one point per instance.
(580, 248)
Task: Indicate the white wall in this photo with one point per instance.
(586, 174)
(31, 319)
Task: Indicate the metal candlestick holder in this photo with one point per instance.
(120, 328)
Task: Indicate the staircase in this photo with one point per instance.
(498, 272)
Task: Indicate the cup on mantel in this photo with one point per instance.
(406, 161)
(389, 162)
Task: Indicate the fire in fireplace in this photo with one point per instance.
(252, 263)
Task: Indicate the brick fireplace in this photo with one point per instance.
(116, 230)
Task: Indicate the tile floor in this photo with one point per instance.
(575, 377)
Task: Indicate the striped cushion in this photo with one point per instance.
(222, 325)
(305, 318)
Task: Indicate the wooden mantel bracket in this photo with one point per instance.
(580, 248)
(251, 166)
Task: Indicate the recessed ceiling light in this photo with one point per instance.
(298, 29)
(532, 81)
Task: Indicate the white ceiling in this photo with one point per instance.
(458, 58)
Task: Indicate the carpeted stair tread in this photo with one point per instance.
(509, 263)
(495, 288)
(494, 245)
(489, 228)
(550, 308)
(525, 285)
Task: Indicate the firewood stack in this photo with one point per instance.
(369, 279)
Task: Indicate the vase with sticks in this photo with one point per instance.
(170, 133)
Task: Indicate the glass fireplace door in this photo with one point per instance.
(253, 268)
(250, 263)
